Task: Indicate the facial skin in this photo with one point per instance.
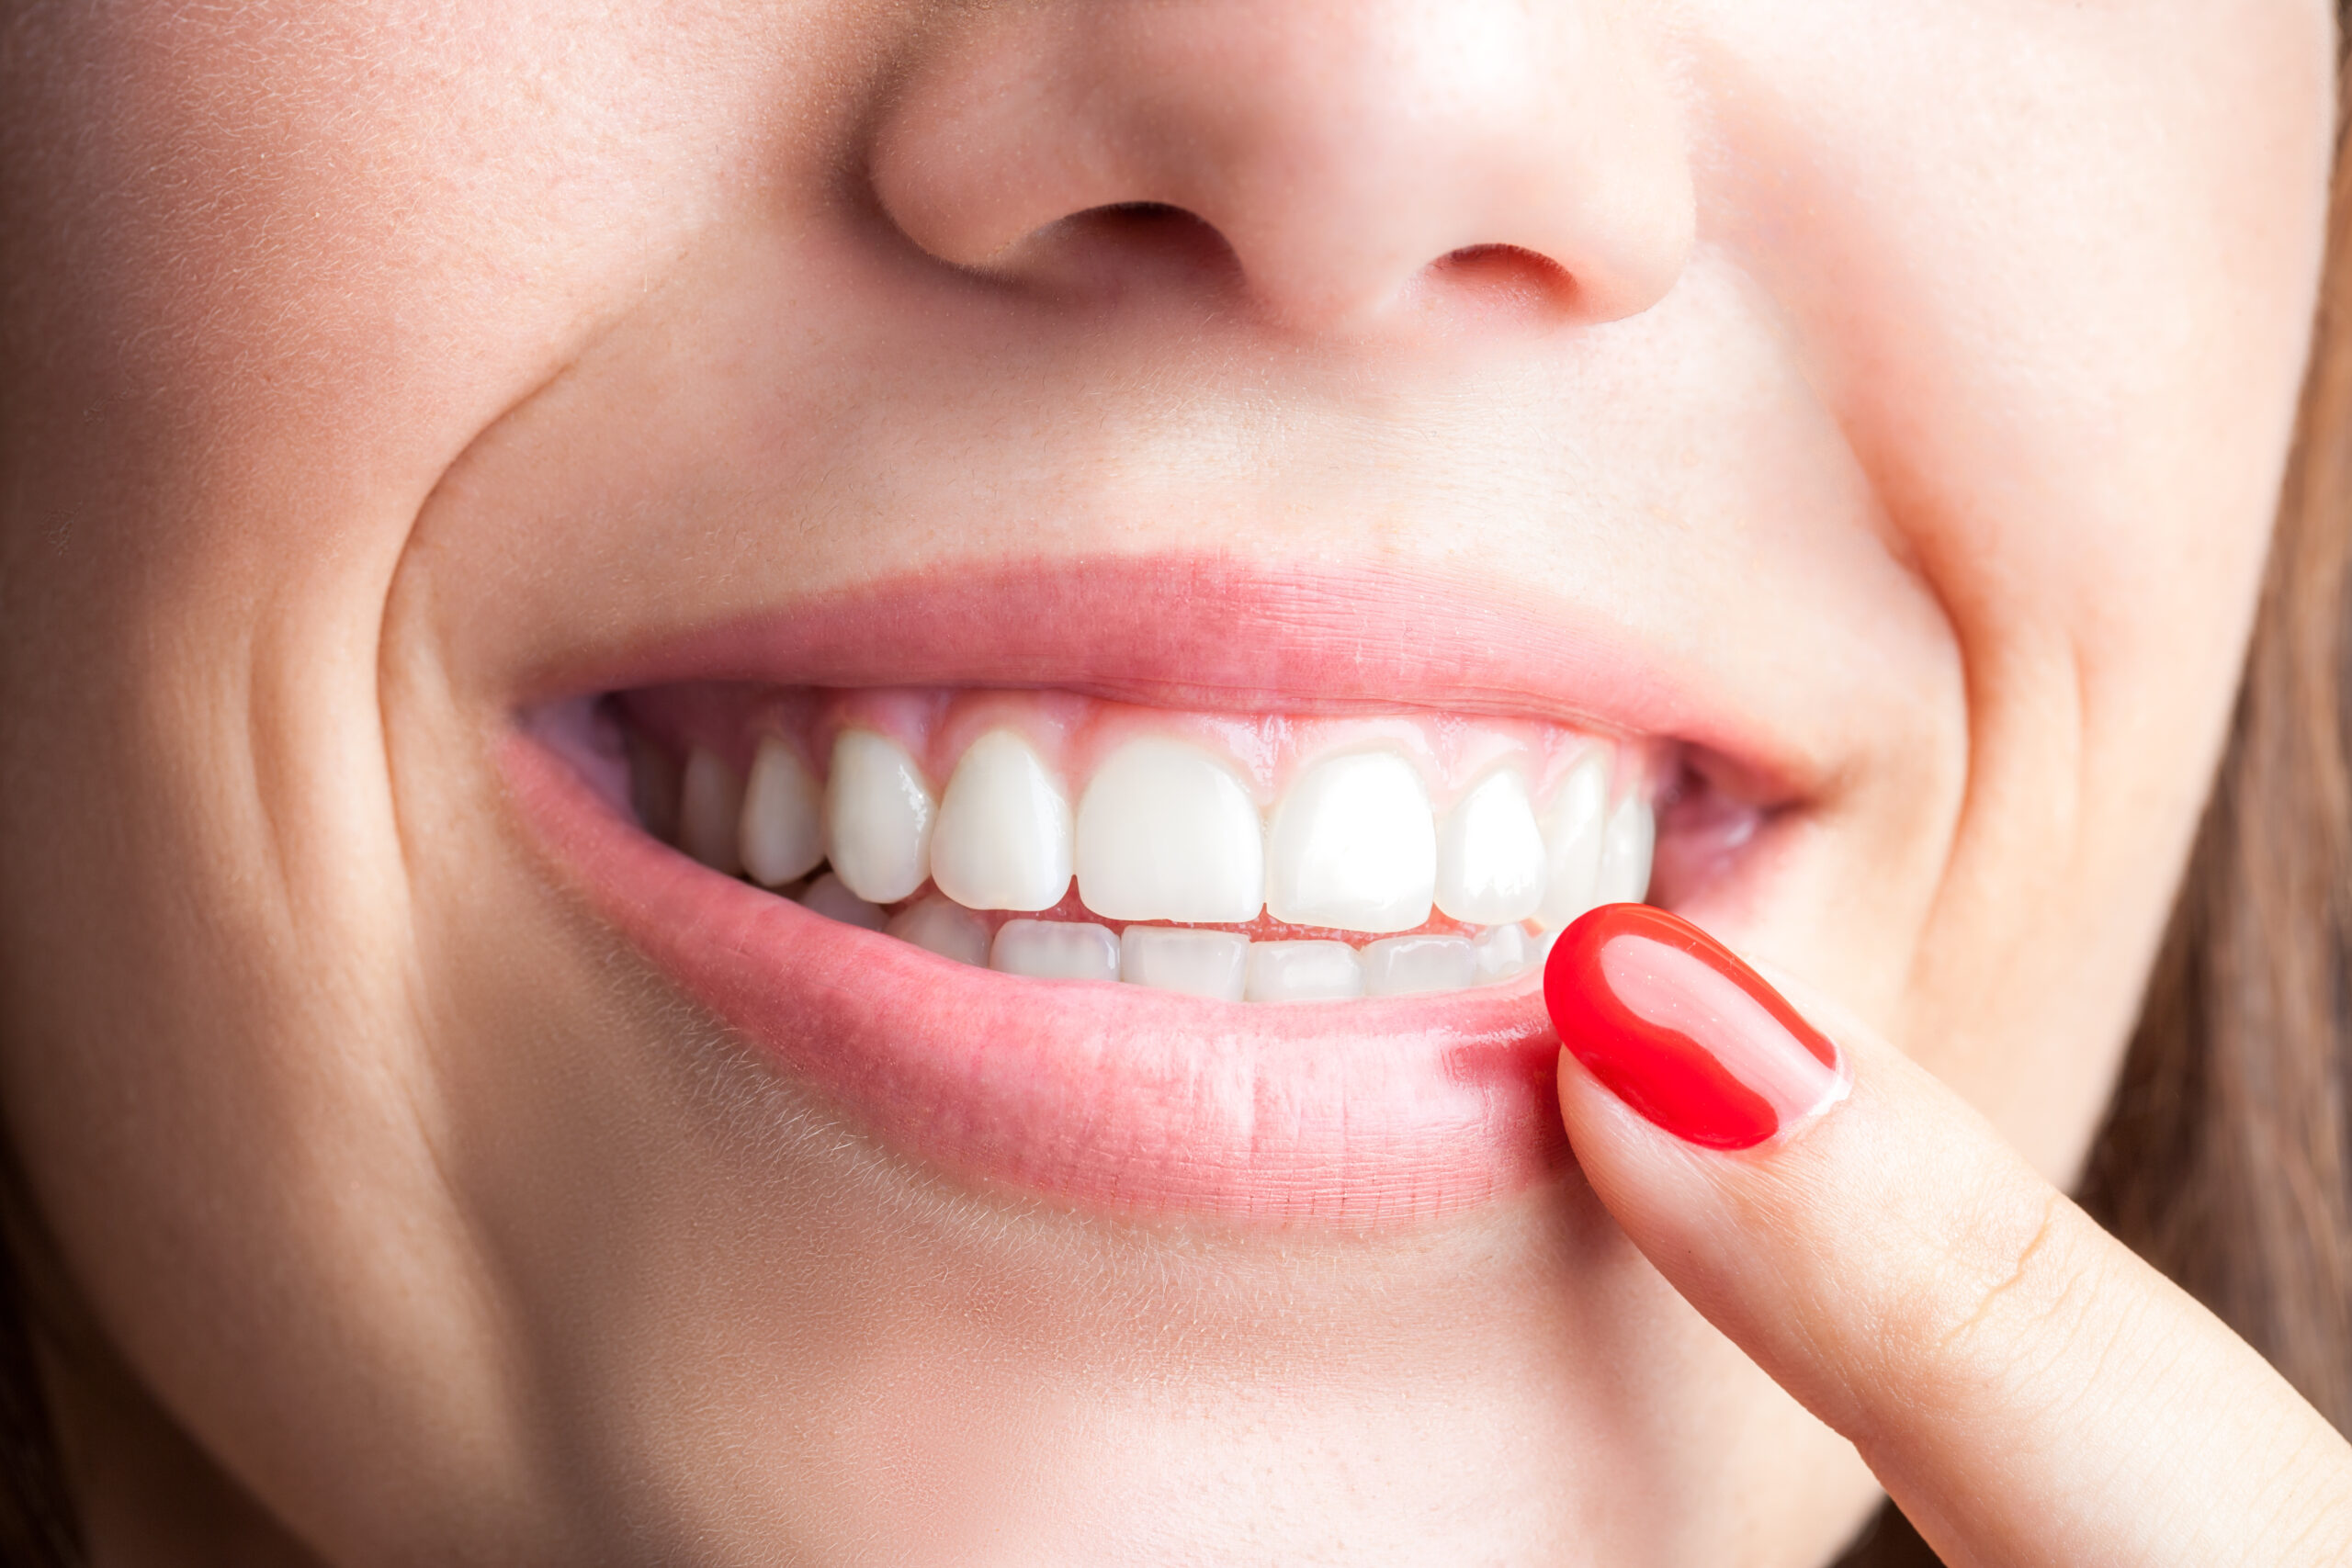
(1897, 393)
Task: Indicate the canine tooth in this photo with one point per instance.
(1056, 950)
(1353, 846)
(1166, 832)
(782, 835)
(1404, 965)
(1625, 853)
(946, 928)
(1003, 836)
(1573, 830)
(879, 814)
(1199, 964)
(1502, 953)
(1302, 972)
(709, 802)
(1490, 854)
(829, 898)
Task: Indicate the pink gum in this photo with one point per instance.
(1073, 734)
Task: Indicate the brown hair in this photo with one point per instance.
(2226, 1158)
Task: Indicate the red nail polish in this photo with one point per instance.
(1683, 1031)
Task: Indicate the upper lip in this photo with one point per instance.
(1214, 634)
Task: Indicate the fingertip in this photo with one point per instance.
(1685, 1034)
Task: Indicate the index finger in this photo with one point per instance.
(2027, 1388)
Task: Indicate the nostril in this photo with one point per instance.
(1110, 250)
(1139, 213)
(1511, 277)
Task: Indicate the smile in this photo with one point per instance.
(1038, 935)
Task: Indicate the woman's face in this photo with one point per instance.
(1855, 424)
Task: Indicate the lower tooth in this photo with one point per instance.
(827, 896)
(946, 928)
(1501, 954)
(1199, 964)
(1303, 972)
(1056, 950)
(1402, 965)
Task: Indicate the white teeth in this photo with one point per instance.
(1352, 847)
(1302, 972)
(1573, 830)
(782, 832)
(1003, 838)
(827, 896)
(944, 928)
(1199, 964)
(1166, 832)
(878, 815)
(1056, 950)
(1404, 965)
(1489, 853)
(711, 800)
(1502, 953)
(1625, 853)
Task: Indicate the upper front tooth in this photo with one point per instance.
(710, 801)
(878, 815)
(1353, 846)
(1166, 832)
(782, 835)
(1491, 855)
(1003, 839)
(1625, 853)
(1573, 830)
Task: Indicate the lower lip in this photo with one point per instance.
(1359, 1114)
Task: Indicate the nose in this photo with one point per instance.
(1351, 154)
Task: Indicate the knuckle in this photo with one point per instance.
(2020, 1296)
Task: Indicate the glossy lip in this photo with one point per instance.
(1359, 1114)
(1218, 635)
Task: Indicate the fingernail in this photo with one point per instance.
(1684, 1032)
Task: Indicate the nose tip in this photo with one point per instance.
(1349, 154)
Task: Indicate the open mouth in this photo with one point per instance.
(1059, 837)
(1129, 953)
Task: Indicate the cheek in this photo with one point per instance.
(282, 265)
(2054, 269)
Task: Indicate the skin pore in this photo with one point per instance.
(1885, 402)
